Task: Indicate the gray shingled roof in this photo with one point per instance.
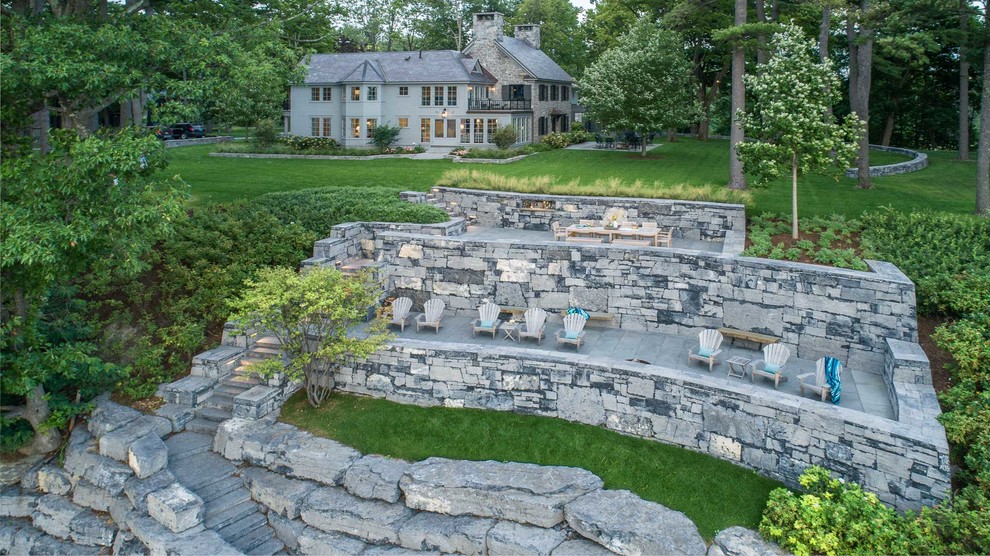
(428, 66)
(534, 60)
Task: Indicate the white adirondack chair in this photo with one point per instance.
(432, 316)
(536, 323)
(820, 386)
(709, 342)
(772, 364)
(487, 320)
(400, 312)
(573, 331)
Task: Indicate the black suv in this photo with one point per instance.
(186, 131)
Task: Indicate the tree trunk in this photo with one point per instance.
(823, 33)
(642, 143)
(864, 62)
(736, 178)
(853, 60)
(761, 38)
(794, 213)
(963, 82)
(671, 135)
(37, 413)
(888, 129)
(983, 147)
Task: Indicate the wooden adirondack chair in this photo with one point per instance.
(400, 312)
(772, 364)
(536, 323)
(487, 320)
(709, 342)
(573, 331)
(433, 315)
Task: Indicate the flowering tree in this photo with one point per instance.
(316, 315)
(642, 84)
(790, 117)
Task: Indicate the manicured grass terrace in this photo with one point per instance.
(947, 184)
(715, 494)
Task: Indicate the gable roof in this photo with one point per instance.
(533, 60)
(427, 66)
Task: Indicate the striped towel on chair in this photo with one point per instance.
(832, 369)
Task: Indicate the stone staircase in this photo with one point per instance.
(227, 505)
(219, 407)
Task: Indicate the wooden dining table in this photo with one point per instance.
(612, 233)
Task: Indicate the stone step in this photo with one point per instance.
(264, 350)
(210, 493)
(228, 515)
(270, 342)
(231, 389)
(253, 539)
(229, 500)
(271, 547)
(186, 444)
(199, 471)
(203, 426)
(242, 375)
(213, 414)
(242, 526)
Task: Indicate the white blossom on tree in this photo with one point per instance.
(790, 118)
(643, 84)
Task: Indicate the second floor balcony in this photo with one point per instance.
(486, 104)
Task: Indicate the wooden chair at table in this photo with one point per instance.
(772, 364)
(432, 316)
(649, 231)
(536, 323)
(487, 320)
(665, 238)
(559, 234)
(400, 312)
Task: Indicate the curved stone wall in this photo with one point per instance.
(905, 462)
(919, 161)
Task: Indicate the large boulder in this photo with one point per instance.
(91, 496)
(176, 507)
(376, 477)
(115, 444)
(521, 492)
(516, 539)
(449, 534)
(137, 490)
(108, 416)
(279, 493)
(740, 541)
(580, 547)
(333, 509)
(54, 514)
(626, 524)
(14, 503)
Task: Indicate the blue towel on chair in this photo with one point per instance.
(832, 366)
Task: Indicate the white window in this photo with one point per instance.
(403, 121)
(438, 96)
(314, 94)
(492, 128)
(479, 130)
(369, 126)
(327, 94)
(403, 91)
(524, 128)
(320, 126)
(372, 93)
(451, 96)
(465, 130)
(355, 93)
(355, 127)
(424, 128)
(424, 99)
(318, 94)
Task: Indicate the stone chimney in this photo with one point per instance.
(488, 26)
(529, 33)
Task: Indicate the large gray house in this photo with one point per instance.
(439, 98)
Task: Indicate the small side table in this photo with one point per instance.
(737, 366)
(510, 331)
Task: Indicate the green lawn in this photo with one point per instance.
(713, 493)
(946, 184)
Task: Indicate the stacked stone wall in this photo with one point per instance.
(906, 463)
(815, 310)
(689, 219)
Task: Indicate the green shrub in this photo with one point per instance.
(557, 140)
(497, 154)
(384, 135)
(17, 433)
(579, 135)
(534, 148)
(833, 231)
(505, 137)
(300, 143)
(932, 248)
(265, 133)
(834, 517)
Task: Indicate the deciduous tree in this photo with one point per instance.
(642, 84)
(789, 117)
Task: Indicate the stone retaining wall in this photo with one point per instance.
(919, 161)
(500, 209)
(905, 462)
(815, 310)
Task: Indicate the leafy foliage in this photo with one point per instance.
(312, 314)
(505, 136)
(832, 247)
(642, 84)
(834, 517)
(557, 140)
(265, 133)
(384, 135)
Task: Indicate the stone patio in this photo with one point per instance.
(861, 390)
